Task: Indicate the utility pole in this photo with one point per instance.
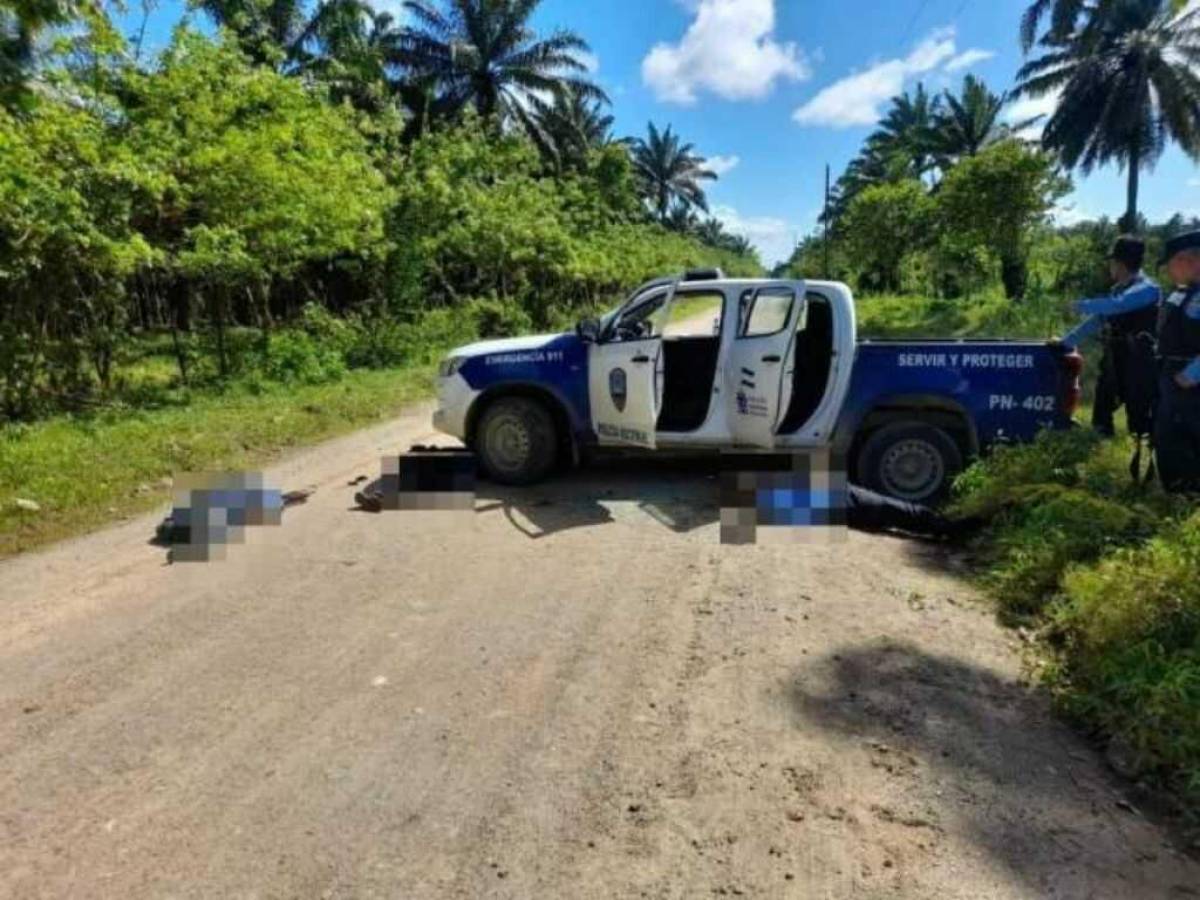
(825, 241)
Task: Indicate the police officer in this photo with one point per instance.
(1177, 424)
(1127, 320)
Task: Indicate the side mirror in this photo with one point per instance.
(588, 330)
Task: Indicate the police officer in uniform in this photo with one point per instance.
(1177, 423)
(1126, 320)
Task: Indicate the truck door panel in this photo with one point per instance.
(626, 374)
(760, 369)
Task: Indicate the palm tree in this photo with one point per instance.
(1128, 82)
(970, 122)
(669, 172)
(569, 126)
(739, 244)
(354, 50)
(683, 219)
(903, 136)
(484, 53)
(1064, 17)
(21, 24)
(712, 232)
(270, 32)
(900, 148)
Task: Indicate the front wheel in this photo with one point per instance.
(910, 461)
(516, 441)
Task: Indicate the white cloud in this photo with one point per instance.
(1067, 215)
(1027, 108)
(729, 50)
(773, 238)
(967, 59)
(859, 99)
(1194, 182)
(722, 165)
(590, 61)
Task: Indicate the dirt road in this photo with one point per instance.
(573, 692)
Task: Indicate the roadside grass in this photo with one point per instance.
(85, 470)
(1104, 572)
(323, 377)
(988, 315)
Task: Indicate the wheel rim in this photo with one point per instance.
(912, 470)
(507, 443)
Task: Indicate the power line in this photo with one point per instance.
(912, 23)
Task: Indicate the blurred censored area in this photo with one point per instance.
(213, 510)
(426, 479)
(801, 494)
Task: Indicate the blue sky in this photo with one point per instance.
(772, 90)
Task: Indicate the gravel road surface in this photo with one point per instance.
(574, 691)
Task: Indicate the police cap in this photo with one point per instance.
(1129, 250)
(1187, 241)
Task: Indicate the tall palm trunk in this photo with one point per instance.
(1129, 222)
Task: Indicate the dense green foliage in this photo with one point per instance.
(1105, 571)
(212, 194)
(980, 222)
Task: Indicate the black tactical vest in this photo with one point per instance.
(1178, 333)
(1132, 323)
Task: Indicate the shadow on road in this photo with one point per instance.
(681, 494)
(990, 758)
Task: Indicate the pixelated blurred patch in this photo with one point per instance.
(425, 478)
(213, 509)
(793, 490)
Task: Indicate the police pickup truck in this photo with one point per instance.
(705, 362)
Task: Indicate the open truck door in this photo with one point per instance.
(625, 372)
(758, 377)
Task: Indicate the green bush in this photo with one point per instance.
(1046, 528)
(1111, 569)
(496, 318)
(1000, 479)
(327, 329)
(295, 357)
(1131, 664)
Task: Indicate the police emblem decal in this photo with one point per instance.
(618, 388)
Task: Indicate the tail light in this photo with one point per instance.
(1071, 392)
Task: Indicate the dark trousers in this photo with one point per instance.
(1177, 436)
(869, 511)
(1108, 391)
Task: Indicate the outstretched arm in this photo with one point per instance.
(1136, 296)
(1083, 331)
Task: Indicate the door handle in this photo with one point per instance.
(772, 359)
(640, 359)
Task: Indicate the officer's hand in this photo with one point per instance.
(1184, 382)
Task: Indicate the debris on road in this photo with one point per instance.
(292, 498)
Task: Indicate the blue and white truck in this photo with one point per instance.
(701, 362)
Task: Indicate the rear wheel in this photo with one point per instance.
(516, 441)
(910, 461)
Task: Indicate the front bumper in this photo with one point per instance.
(455, 397)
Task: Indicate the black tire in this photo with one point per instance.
(910, 461)
(516, 441)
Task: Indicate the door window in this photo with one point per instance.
(643, 320)
(765, 311)
(695, 314)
